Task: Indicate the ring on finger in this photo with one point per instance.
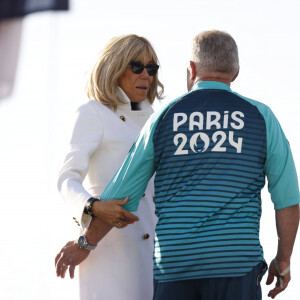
(65, 265)
(118, 225)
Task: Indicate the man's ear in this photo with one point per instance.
(235, 76)
(191, 75)
(193, 71)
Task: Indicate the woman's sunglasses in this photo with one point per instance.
(138, 68)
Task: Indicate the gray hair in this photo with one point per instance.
(215, 51)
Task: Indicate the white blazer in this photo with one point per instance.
(121, 266)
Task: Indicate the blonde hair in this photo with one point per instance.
(111, 63)
(215, 51)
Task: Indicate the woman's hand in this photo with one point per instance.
(108, 213)
(68, 258)
(112, 212)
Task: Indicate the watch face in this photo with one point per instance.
(81, 241)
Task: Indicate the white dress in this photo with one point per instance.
(121, 267)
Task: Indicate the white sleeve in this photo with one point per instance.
(86, 138)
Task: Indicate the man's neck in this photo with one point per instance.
(213, 78)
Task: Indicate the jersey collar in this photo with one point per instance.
(211, 85)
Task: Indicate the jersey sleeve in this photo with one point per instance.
(279, 166)
(132, 177)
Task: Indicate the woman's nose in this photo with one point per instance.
(145, 74)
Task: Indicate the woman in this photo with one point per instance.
(123, 85)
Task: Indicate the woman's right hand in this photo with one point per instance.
(112, 212)
(69, 257)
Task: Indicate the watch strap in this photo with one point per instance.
(88, 206)
(83, 244)
(89, 247)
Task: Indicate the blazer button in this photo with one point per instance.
(146, 236)
(123, 118)
(144, 195)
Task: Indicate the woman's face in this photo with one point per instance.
(136, 86)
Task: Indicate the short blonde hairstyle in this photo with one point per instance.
(215, 51)
(111, 63)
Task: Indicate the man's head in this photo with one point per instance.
(214, 57)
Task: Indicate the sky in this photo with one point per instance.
(57, 49)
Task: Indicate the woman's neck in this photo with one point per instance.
(135, 106)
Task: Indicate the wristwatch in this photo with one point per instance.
(83, 244)
(88, 206)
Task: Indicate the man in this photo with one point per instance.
(211, 150)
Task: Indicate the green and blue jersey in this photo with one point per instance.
(211, 150)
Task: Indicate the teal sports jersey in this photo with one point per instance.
(211, 150)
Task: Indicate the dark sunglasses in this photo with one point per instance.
(138, 68)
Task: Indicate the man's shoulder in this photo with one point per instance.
(263, 108)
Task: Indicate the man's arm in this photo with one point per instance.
(284, 189)
(287, 221)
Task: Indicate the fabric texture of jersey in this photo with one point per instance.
(211, 150)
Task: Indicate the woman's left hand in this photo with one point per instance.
(68, 258)
(112, 212)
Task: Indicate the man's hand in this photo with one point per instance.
(274, 273)
(287, 221)
(112, 212)
(69, 257)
